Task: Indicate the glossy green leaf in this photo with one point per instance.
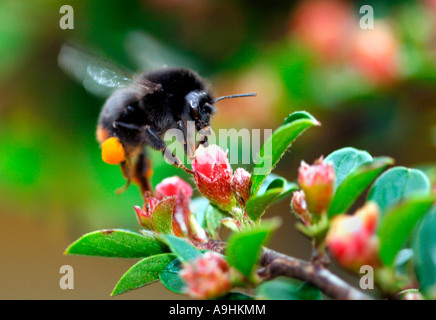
(257, 205)
(170, 277)
(272, 190)
(287, 289)
(277, 144)
(398, 224)
(355, 183)
(424, 254)
(117, 243)
(142, 273)
(397, 184)
(184, 251)
(244, 247)
(275, 181)
(163, 216)
(345, 160)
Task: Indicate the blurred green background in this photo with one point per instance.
(371, 89)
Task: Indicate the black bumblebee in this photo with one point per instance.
(140, 109)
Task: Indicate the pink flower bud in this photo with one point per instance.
(182, 191)
(351, 239)
(318, 183)
(173, 186)
(241, 184)
(213, 176)
(207, 277)
(299, 207)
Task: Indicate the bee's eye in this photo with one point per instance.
(193, 101)
(112, 151)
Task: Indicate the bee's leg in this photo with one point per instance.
(118, 124)
(125, 170)
(204, 133)
(142, 172)
(187, 145)
(158, 144)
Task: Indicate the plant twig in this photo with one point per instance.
(276, 264)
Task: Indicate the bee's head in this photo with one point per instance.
(200, 105)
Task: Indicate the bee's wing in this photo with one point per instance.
(149, 54)
(98, 75)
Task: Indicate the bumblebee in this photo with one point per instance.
(140, 109)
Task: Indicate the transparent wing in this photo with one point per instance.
(98, 75)
(150, 54)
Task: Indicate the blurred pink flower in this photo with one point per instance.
(351, 239)
(375, 53)
(324, 26)
(207, 277)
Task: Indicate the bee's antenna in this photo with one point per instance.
(235, 96)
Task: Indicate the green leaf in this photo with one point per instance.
(163, 216)
(142, 273)
(244, 247)
(117, 243)
(424, 254)
(287, 289)
(213, 220)
(184, 251)
(397, 184)
(355, 183)
(170, 277)
(277, 144)
(272, 181)
(257, 205)
(345, 160)
(398, 224)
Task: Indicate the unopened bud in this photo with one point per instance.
(241, 184)
(213, 176)
(351, 239)
(299, 207)
(318, 183)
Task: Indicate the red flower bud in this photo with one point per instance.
(318, 183)
(207, 277)
(241, 184)
(299, 207)
(213, 176)
(351, 239)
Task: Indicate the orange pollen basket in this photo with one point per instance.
(112, 151)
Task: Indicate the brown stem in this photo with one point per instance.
(276, 264)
